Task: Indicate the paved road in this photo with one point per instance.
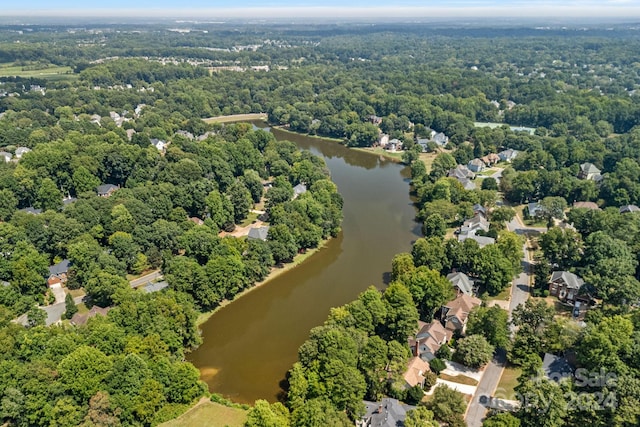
(519, 294)
(54, 312)
(147, 278)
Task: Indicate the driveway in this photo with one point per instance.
(476, 411)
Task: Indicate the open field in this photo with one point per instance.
(10, 70)
(236, 118)
(209, 414)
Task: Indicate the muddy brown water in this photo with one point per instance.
(249, 345)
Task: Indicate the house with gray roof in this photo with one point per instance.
(508, 155)
(481, 240)
(535, 210)
(556, 368)
(386, 413)
(441, 139)
(258, 233)
(461, 172)
(629, 209)
(565, 286)
(590, 172)
(467, 184)
(478, 222)
(159, 144)
(155, 287)
(299, 189)
(106, 190)
(31, 210)
(476, 165)
(461, 283)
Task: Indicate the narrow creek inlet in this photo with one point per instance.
(250, 344)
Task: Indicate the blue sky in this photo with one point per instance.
(409, 8)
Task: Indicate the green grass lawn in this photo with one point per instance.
(508, 381)
(10, 69)
(428, 158)
(381, 151)
(209, 414)
(460, 379)
(249, 220)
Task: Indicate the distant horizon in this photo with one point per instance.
(568, 10)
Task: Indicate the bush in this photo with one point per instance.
(430, 380)
(414, 395)
(474, 351)
(444, 352)
(437, 365)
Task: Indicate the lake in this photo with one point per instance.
(250, 344)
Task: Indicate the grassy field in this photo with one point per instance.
(508, 381)
(209, 414)
(236, 118)
(460, 379)
(397, 156)
(10, 70)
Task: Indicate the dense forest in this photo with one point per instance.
(127, 114)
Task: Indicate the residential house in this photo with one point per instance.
(490, 159)
(478, 209)
(106, 190)
(394, 145)
(461, 283)
(508, 155)
(428, 340)
(629, 208)
(481, 240)
(96, 118)
(383, 140)
(590, 172)
(258, 233)
(68, 200)
(186, 134)
(478, 222)
(79, 319)
(375, 119)
(386, 413)
(424, 143)
(565, 286)
(155, 287)
(58, 273)
(31, 210)
(159, 144)
(441, 139)
(415, 373)
(461, 172)
(467, 184)
(455, 313)
(556, 368)
(586, 205)
(535, 210)
(299, 189)
(21, 151)
(5, 156)
(476, 165)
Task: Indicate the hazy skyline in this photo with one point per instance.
(328, 8)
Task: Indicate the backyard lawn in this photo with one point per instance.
(209, 414)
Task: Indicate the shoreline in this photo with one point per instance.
(275, 272)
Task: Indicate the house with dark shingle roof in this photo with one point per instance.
(386, 413)
(258, 233)
(31, 210)
(556, 368)
(629, 209)
(590, 172)
(461, 283)
(299, 189)
(58, 272)
(106, 190)
(565, 285)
